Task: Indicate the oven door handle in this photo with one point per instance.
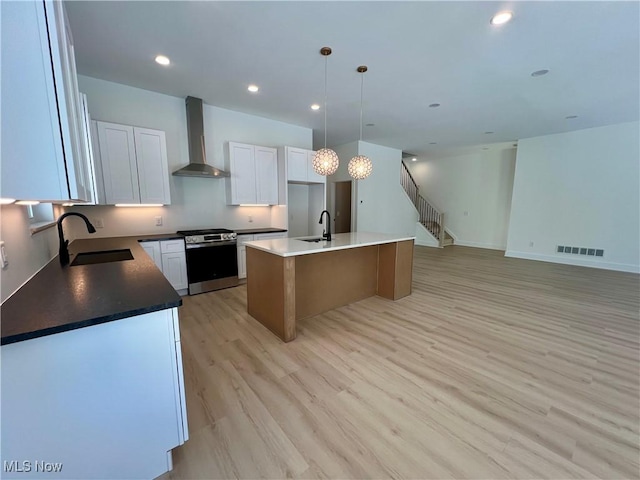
(210, 244)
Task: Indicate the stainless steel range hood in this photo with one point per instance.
(198, 166)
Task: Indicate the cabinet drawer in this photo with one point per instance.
(242, 239)
(172, 246)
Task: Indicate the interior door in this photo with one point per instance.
(343, 207)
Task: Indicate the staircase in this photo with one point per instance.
(429, 216)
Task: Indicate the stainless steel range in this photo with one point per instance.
(212, 261)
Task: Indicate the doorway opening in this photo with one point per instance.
(342, 206)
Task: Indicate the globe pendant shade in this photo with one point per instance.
(325, 162)
(360, 167)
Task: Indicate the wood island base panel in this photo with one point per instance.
(284, 289)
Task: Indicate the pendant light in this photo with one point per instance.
(325, 161)
(360, 166)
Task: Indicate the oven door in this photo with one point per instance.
(211, 266)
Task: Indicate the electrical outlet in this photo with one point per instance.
(98, 223)
(3, 256)
(531, 244)
(250, 219)
(159, 221)
(465, 213)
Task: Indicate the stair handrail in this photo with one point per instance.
(428, 215)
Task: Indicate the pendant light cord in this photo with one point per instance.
(325, 101)
(361, 96)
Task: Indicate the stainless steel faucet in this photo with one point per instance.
(327, 235)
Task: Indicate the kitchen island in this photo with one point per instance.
(92, 378)
(290, 279)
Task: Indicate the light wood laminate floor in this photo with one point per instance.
(493, 368)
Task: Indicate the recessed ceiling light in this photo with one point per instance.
(414, 159)
(162, 60)
(485, 148)
(315, 106)
(569, 117)
(539, 73)
(253, 88)
(370, 125)
(488, 133)
(434, 105)
(501, 18)
(433, 143)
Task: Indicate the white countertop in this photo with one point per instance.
(290, 247)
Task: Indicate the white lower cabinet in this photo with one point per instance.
(104, 401)
(242, 255)
(174, 267)
(242, 249)
(153, 250)
(169, 256)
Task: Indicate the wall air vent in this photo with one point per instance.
(591, 252)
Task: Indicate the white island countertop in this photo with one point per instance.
(290, 247)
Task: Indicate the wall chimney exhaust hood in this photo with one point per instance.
(198, 166)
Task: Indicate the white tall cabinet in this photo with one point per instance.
(43, 135)
(254, 175)
(133, 164)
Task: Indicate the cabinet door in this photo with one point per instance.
(243, 173)
(297, 164)
(312, 176)
(153, 250)
(153, 171)
(118, 158)
(69, 102)
(174, 267)
(266, 160)
(33, 165)
(242, 261)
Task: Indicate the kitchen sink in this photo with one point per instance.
(106, 256)
(312, 240)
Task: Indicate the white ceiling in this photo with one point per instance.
(418, 53)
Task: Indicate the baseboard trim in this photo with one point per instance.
(417, 243)
(578, 262)
(490, 246)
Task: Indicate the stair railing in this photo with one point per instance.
(428, 215)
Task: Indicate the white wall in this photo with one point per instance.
(195, 202)
(581, 189)
(473, 190)
(27, 253)
(382, 204)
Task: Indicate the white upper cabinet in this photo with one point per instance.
(153, 169)
(133, 163)
(300, 166)
(254, 175)
(43, 132)
(266, 175)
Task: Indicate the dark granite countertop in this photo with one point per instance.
(58, 299)
(252, 231)
(157, 236)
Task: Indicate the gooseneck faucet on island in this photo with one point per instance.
(327, 235)
(63, 252)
